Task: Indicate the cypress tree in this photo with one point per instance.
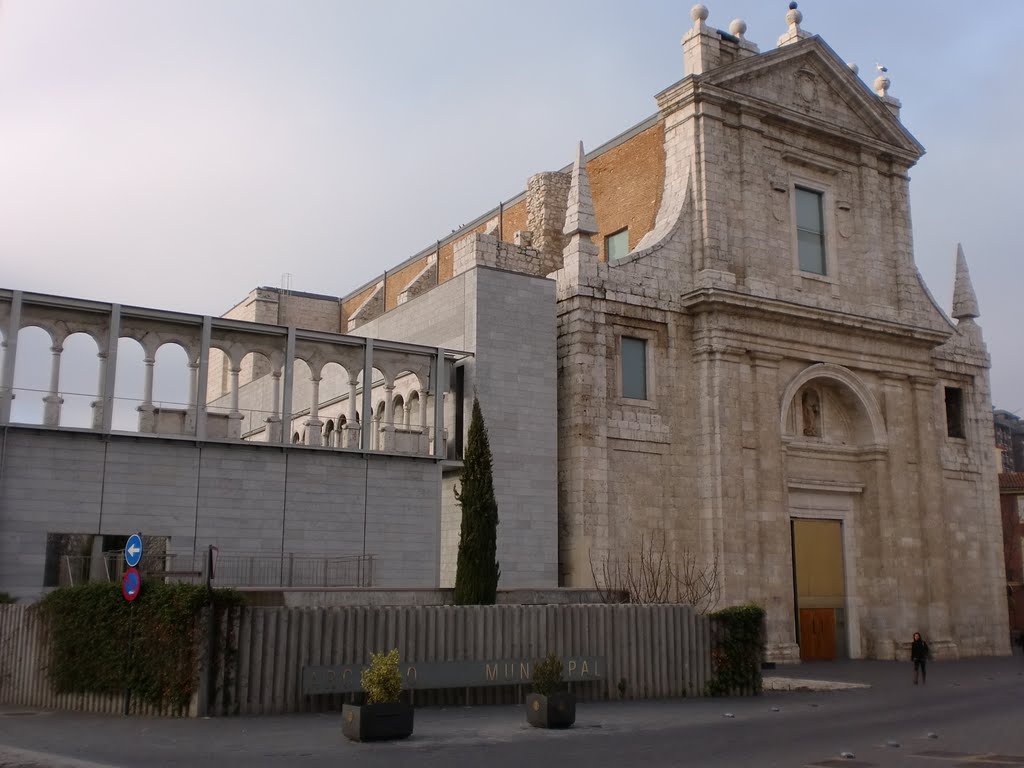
(476, 576)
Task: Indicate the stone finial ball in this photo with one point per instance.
(853, 67)
(882, 84)
(699, 12)
(794, 16)
(738, 27)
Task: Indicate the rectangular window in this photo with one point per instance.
(810, 231)
(1020, 510)
(954, 412)
(616, 246)
(634, 368)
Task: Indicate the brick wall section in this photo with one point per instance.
(371, 307)
(422, 282)
(396, 282)
(351, 303)
(513, 218)
(626, 183)
(244, 498)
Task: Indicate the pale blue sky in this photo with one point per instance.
(178, 154)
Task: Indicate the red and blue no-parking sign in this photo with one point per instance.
(131, 585)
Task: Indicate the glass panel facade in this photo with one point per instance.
(810, 231)
(634, 368)
(617, 246)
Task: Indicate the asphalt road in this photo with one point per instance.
(970, 714)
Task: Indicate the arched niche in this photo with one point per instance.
(831, 405)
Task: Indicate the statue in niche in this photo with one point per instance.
(810, 404)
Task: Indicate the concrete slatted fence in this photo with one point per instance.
(656, 650)
(647, 651)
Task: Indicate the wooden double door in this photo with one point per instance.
(817, 634)
(819, 582)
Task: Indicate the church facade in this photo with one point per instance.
(710, 333)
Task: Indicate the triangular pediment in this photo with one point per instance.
(809, 81)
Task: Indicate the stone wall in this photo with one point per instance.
(507, 321)
(247, 499)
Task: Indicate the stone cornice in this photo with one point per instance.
(788, 119)
(715, 300)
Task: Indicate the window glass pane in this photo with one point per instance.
(808, 210)
(810, 231)
(617, 246)
(812, 252)
(634, 368)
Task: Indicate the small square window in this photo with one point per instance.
(634, 368)
(954, 412)
(616, 246)
(810, 231)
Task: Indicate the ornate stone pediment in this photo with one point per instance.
(807, 81)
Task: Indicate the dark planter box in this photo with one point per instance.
(376, 722)
(555, 711)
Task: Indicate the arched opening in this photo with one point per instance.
(302, 396)
(128, 385)
(31, 375)
(412, 410)
(79, 381)
(329, 434)
(256, 397)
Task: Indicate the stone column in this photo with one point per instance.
(97, 404)
(314, 427)
(424, 441)
(193, 394)
(387, 431)
(147, 420)
(234, 416)
(350, 437)
(273, 421)
(10, 354)
(53, 400)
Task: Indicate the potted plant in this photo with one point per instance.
(383, 715)
(551, 705)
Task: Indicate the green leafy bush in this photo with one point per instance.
(737, 650)
(6, 599)
(382, 680)
(100, 643)
(547, 676)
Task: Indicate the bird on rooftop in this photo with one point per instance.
(881, 67)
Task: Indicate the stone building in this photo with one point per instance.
(750, 370)
(706, 339)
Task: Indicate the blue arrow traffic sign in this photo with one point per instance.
(131, 584)
(133, 550)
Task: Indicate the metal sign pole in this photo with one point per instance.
(128, 668)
